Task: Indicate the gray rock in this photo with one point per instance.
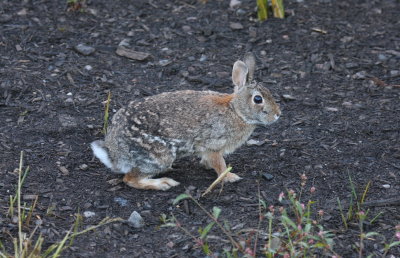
(234, 3)
(288, 97)
(131, 54)
(164, 62)
(124, 43)
(382, 57)
(203, 58)
(121, 201)
(84, 49)
(267, 176)
(186, 28)
(360, 75)
(135, 220)
(394, 73)
(88, 214)
(236, 26)
(240, 12)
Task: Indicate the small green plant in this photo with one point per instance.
(106, 113)
(203, 232)
(355, 205)
(263, 7)
(356, 214)
(291, 230)
(394, 242)
(297, 232)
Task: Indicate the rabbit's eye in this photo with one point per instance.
(258, 99)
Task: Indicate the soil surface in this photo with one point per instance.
(334, 67)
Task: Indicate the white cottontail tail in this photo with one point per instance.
(147, 135)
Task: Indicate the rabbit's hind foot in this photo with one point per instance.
(138, 182)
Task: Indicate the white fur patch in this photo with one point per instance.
(124, 167)
(101, 154)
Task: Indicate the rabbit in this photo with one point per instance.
(148, 135)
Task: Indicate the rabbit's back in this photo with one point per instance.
(183, 122)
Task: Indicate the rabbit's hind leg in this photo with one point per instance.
(137, 180)
(217, 162)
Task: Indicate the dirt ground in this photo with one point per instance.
(334, 67)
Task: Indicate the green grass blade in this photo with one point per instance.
(262, 11)
(278, 9)
(180, 198)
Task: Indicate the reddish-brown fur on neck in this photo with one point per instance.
(223, 100)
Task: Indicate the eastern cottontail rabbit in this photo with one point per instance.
(147, 136)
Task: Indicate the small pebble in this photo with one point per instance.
(23, 12)
(252, 142)
(88, 67)
(135, 220)
(394, 73)
(88, 214)
(164, 62)
(124, 43)
(186, 28)
(347, 104)
(386, 186)
(382, 57)
(346, 39)
(121, 201)
(234, 3)
(288, 97)
(131, 54)
(64, 170)
(240, 12)
(14, 219)
(332, 109)
(84, 49)
(267, 176)
(360, 75)
(236, 26)
(203, 58)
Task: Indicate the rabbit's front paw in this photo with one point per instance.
(231, 177)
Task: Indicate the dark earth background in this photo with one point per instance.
(332, 65)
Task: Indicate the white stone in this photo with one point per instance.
(135, 220)
(88, 214)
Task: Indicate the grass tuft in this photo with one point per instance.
(24, 244)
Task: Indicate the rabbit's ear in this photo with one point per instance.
(239, 74)
(250, 61)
